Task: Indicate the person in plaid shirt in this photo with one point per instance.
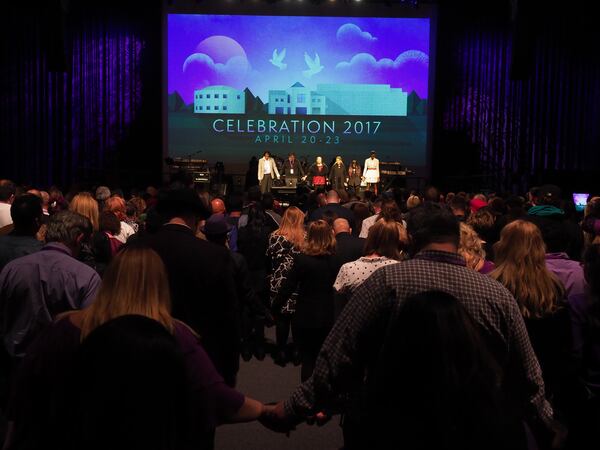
(353, 345)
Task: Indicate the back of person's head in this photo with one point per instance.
(497, 206)
(131, 387)
(110, 223)
(320, 239)
(549, 194)
(385, 238)
(35, 192)
(216, 229)
(292, 226)
(471, 246)
(432, 224)
(68, 228)
(7, 190)
(102, 193)
(26, 213)
(181, 203)
(431, 194)
(135, 282)
(458, 205)
(390, 210)
(235, 202)
(333, 196)
(514, 202)
(268, 201)
(341, 225)
(413, 201)
(254, 194)
(217, 206)
(361, 212)
(435, 378)
(86, 205)
(482, 221)
(521, 267)
(116, 205)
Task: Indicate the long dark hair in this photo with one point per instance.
(257, 220)
(436, 380)
(131, 386)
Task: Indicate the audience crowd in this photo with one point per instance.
(425, 320)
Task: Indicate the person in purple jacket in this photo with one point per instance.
(135, 283)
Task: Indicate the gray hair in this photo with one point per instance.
(66, 226)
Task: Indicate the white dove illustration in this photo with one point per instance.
(314, 65)
(277, 59)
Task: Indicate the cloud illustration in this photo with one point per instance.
(352, 33)
(409, 70)
(203, 71)
(368, 61)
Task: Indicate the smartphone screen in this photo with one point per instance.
(580, 201)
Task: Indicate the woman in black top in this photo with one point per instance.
(337, 174)
(312, 277)
(521, 268)
(253, 240)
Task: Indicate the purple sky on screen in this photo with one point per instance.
(391, 51)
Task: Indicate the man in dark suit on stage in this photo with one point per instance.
(201, 279)
(292, 169)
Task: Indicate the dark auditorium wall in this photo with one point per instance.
(80, 92)
(517, 100)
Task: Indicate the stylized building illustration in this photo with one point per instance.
(340, 99)
(219, 100)
(296, 100)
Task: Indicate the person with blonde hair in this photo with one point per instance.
(135, 283)
(521, 268)
(312, 277)
(471, 248)
(117, 206)
(284, 244)
(86, 205)
(412, 202)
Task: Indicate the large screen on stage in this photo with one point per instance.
(239, 85)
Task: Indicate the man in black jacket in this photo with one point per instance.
(347, 247)
(332, 209)
(201, 279)
(292, 169)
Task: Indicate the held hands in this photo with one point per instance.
(275, 419)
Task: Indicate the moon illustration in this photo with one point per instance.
(221, 49)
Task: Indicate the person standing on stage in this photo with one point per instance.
(372, 172)
(266, 170)
(317, 174)
(292, 169)
(337, 174)
(354, 176)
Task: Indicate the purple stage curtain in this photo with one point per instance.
(547, 123)
(60, 127)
